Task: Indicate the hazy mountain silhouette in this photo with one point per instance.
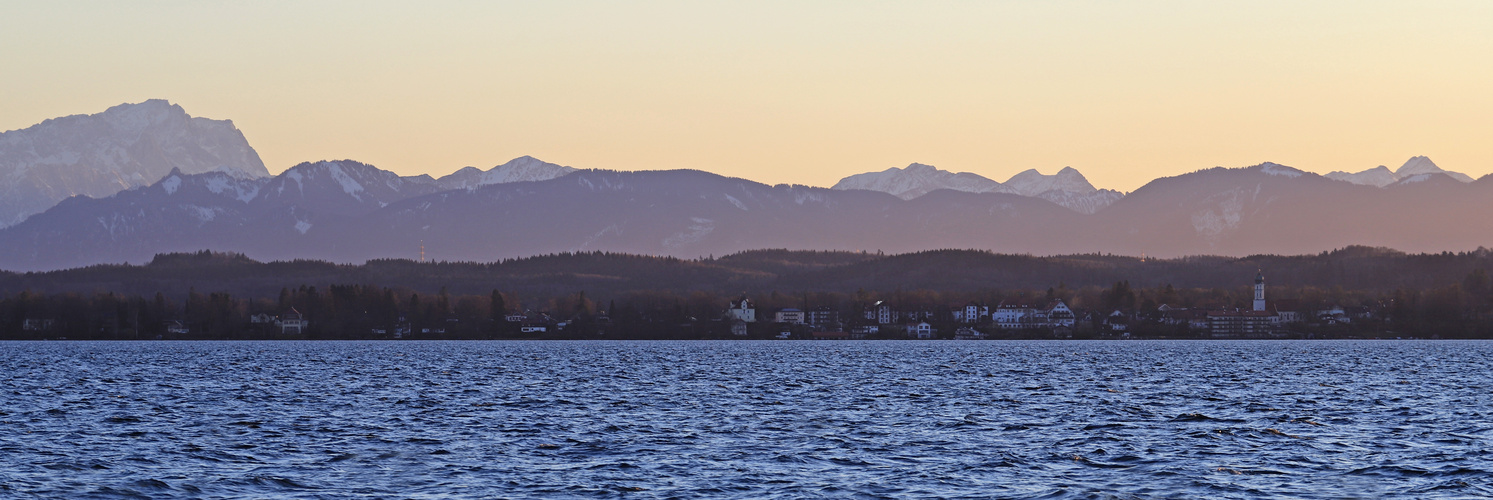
(125, 146)
(348, 212)
(1067, 188)
(1382, 176)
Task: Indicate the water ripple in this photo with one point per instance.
(746, 419)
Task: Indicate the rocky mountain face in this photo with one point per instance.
(1067, 188)
(126, 146)
(350, 212)
(1382, 176)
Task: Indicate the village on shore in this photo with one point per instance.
(1018, 317)
(1023, 317)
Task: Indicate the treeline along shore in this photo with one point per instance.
(1355, 292)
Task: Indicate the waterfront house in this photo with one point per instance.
(881, 312)
(177, 328)
(968, 333)
(790, 316)
(1242, 324)
(824, 318)
(292, 323)
(743, 310)
(972, 312)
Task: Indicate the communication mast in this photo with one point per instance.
(422, 251)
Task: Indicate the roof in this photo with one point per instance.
(1016, 303)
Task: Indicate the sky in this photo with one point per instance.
(785, 92)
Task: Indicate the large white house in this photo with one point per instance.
(292, 323)
(1021, 313)
(882, 313)
(790, 315)
(972, 312)
(920, 330)
(742, 310)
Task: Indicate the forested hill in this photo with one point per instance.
(760, 271)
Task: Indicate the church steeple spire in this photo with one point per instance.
(1260, 290)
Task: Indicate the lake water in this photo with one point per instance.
(1254, 419)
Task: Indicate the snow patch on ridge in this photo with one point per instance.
(349, 186)
(737, 202)
(171, 184)
(1280, 170)
(201, 213)
(696, 232)
(1213, 222)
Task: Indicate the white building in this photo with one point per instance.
(1059, 315)
(742, 310)
(1020, 313)
(1260, 291)
(292, 323)
(973, 312)
(882, 313)
(791, 316)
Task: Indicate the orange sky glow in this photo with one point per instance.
(785, 92)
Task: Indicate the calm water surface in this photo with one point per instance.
(746, 419)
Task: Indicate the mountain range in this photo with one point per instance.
(347, 211)
(126, 146)
(1067, 188)
(1416, 169)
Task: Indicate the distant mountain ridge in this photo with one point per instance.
(919, 179)
(126, 146)
(345, 211)
(1382, 176)
(214, 193)
(1067, 188)
(521, 169)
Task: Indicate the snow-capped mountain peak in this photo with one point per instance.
(1422, 165)
(1276, 169)
(1068, 187)
(522, 169)
(1032, 183)
(126, 146)
(1381, 176)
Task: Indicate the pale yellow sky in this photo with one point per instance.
(785, 92)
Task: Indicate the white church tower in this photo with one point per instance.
(1260, 291)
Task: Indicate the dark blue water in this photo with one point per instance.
(746, 419)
